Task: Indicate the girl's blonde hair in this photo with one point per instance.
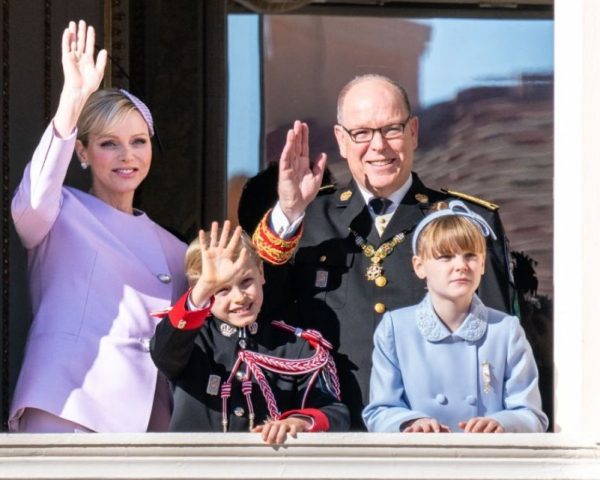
(193, 257)
(449, 235)
(102, 111)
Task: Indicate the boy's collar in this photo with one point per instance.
(229, 330)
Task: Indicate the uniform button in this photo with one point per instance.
(238, 411)
(379, 307)
(441, 399)
(323, 258)
(242, 343)
(164, 277)
(381, 281)
(239, 376)
(471, 399)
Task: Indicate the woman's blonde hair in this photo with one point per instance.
(193, 257)
(449, 235)
(102, 111)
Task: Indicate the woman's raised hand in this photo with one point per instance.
(82, 74)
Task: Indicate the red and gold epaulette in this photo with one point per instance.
(272, 248)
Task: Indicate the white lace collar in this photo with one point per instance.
(434, 330)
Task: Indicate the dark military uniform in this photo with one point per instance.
(325, 285)
(198, 361)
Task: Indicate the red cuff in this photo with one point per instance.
(183, 319)
(320, 420)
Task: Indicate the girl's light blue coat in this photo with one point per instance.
(421, 369)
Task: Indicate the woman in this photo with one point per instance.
(97, 266)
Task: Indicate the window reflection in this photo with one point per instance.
(483, 91)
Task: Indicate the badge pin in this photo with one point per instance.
(214, 382)
(421, 198)
(321, 278)
(486, 374)
(227, 330)
(345, 195)
(253, 328)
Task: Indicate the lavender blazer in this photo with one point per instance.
(95, 274)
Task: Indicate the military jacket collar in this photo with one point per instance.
(355, 213)
(227, 330)
(434, 330)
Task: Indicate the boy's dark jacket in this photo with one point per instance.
(188, 358)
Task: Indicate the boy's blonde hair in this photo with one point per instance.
(193, 257)
(449, 235)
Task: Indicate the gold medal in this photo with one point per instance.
(374, 271)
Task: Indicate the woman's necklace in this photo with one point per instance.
(375, 270)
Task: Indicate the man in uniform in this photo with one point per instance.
(345, 255)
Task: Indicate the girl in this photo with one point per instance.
(450, 363)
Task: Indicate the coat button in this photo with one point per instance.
(164, 277)
(239, 375)
(379, 307)
(238, 411)
(441, 399)
(323, 258)
(145, 342)
(471, 399)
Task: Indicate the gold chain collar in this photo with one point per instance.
(374, 272)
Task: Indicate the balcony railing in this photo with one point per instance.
(311, 456)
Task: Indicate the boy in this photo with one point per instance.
(211, 346)
(450, 363)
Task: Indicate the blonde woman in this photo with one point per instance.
(97, 266)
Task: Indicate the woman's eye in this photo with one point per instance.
(107, 144)
(140, 141)
(222, 292)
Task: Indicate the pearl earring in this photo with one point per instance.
(84, 165)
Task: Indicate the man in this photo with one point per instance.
(352, 259)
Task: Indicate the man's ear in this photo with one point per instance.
(418, 267)
(413, 130)
(341, 140)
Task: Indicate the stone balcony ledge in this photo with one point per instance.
(310, 456)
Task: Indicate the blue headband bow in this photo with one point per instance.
(455, 207)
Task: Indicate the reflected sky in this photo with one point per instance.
(457, 57)
(458, 54)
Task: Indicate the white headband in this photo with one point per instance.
(455, 207)
(142, 108)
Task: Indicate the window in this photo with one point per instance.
(482, 89)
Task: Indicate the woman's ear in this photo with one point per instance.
(418, 267)
(81, 151)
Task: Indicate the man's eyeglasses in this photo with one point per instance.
(389, 132)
